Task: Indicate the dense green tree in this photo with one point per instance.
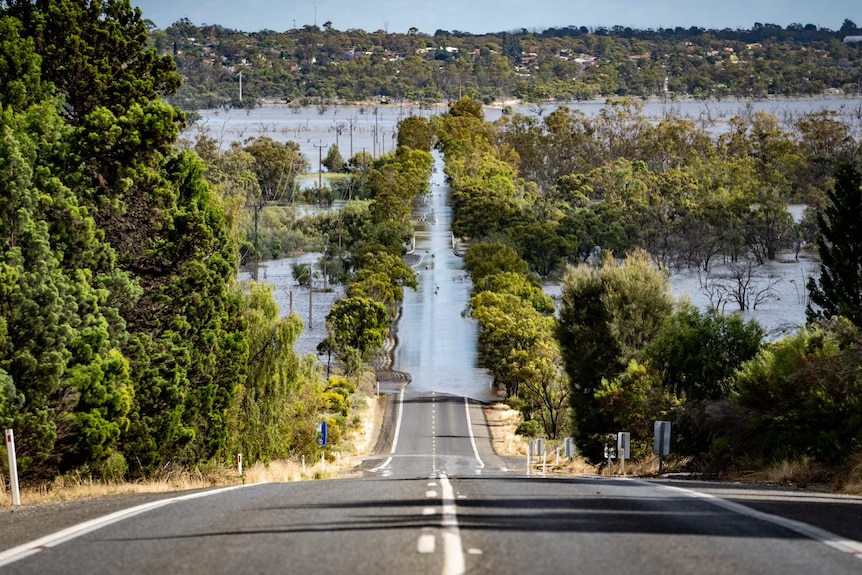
(273, 413)
(415, 132)
(334, 161)
(839, 288)
(541, 246)
(20, 66)
(525, 287)
(608, 315)
(486, 259)
(803, 394)
(192, 348)
(697, 353)
(96, 53)
(357, 326)
(70, 387)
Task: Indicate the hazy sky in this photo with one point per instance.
(479, 16)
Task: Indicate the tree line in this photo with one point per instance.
(128, 347)
(619, 352)
(318, 65)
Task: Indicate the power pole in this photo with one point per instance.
(352, 123)
(319, 166)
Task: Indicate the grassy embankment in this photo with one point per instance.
(502, 422)
(357, 442)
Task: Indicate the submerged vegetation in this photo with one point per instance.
(607, 204)
(129, 349)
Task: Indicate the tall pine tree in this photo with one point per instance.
(839, 290)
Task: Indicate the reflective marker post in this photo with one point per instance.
(661, 444)
(13, 467)
(239, 463)
(624, 449)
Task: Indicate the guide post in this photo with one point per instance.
(661, 445)
(13, 467)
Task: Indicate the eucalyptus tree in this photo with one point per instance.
(273, 412)
(276, 166)
(356, 328)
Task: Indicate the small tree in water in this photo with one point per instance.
(334, 161)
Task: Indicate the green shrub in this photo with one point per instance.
(531, 428)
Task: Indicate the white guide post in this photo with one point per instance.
(13, 467)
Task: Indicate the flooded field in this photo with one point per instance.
(436, 344)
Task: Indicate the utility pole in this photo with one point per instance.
(319, 166)
(352, 123)
(374, 153)
(240, 85)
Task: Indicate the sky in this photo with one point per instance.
(481, 16)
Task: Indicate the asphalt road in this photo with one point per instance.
(439, 501)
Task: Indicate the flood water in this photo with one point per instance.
(437, 346)
(373, 128)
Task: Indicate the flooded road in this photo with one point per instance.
(437, 346)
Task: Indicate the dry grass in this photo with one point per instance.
(851, 483)
(799, 472)
(503, 421)
(357, 441)
(67, 489)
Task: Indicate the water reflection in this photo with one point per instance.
(437, 346)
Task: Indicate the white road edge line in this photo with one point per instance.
(397, 432)
(453, 554)
(837, 542)
(21, 551)
(472, 437)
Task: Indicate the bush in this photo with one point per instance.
(531, 428)
(114, 468)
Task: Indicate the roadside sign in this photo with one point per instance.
(661, 445)
(321, 433)
(570, 447)
(624, 444)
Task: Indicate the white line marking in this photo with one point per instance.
(426, 543)
(430, 494)
(20, 552)
(837, 542)
(397, 431)
(453, 554)
(472, 437)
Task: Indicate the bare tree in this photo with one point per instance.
(740, 284)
